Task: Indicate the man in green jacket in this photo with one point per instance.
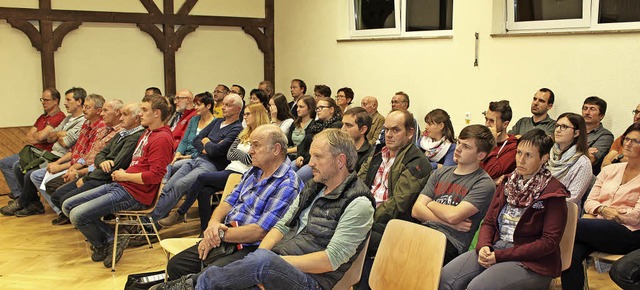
(397, 174)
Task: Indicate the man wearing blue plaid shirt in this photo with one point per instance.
(262, 198)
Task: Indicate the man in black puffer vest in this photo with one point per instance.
(319, 237)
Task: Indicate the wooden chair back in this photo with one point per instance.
(410, 256)
(567, 241)
(352, 276)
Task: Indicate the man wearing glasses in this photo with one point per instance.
(400, 101)
(598, 138)
(615, 152)
(219, 93)
(184, 112)
(37, 136)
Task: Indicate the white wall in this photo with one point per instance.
(439, 73)
(120, 61)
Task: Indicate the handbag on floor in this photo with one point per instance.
(143, 281)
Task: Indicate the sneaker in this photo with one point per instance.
(31, 209)
(184, 283)
(100, 253)
(123, 241)
(173, 219)
(140, 240)
(11, 209)
(61, 220)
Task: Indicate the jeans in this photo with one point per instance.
(178, 184)
(626, 271)
(597, 235)
(6, 166)
(217, 180)
(70, 189)
(171, 169)
(305, 173)
(29, 191)
(260, 267)
(464, 272)
(188, 261)
(36, 178)
(86, 209)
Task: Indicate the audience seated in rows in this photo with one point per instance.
(116, 155)
(64, 136)
(319, 237)
(207, 183)
(395, 175)
(36, 137)
(132, 189)
(614, 203)
(261, 199)
(509, 255)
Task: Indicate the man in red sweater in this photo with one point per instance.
(502, 159)
(132, 189)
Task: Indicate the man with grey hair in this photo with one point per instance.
(114, 155)
(261, 199)
(213, 142)
(184, 112)
(370, 104)
(319, 237)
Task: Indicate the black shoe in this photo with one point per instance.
(123, 241)
(61, 220)
(100, 253)
(11, 209)
(184, 283)
(140, 240)
(31, 209)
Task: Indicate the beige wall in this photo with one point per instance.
(120, 61)
(439, 73)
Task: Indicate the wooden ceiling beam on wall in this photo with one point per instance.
(126, 17)
(62, 30)
(151, 7)
(29, 30)
(187, 6)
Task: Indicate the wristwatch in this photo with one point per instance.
(221, 234)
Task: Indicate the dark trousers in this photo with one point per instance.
(626, 271)
(188, 261)
(202, 189)
(29, 191)
(70, 189)
(597, 235)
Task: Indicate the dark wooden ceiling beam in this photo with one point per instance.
(29, 30)
(187, 6)
(126, 17)
(155, 33)
(62, 30)
(151, 7)
(181, 33)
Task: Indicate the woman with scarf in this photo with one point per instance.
(612, 222)
(518, 244)
(438, 141)
(329, 116)
(568, 161)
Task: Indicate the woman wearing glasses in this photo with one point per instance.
(615, 152)
(613, 205)
(568, 161)
(329, 116)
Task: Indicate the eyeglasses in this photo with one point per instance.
(563, 127)
(394, 102)
(635, 112)
(45, 100)
(340, 97)
(634, 142)
(181, 97)
(320, 108)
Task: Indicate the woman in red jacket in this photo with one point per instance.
(518, 243)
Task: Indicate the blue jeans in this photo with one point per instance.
(86, 209)
(171, 169)
(305, 173)
(6, 166)
(626, 271)
(179, 183)
(260, 267)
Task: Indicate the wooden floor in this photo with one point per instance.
(36, 255)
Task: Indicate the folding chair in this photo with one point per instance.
(132, 218)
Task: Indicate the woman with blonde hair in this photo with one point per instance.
(208, 183)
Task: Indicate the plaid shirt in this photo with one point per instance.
(87, 136)
(103, 136)
(381, 180)
(263, 202)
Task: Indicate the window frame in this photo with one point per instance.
(588, 22)
(401, 25)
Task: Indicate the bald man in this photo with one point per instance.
(370, 104)
(184, 112)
